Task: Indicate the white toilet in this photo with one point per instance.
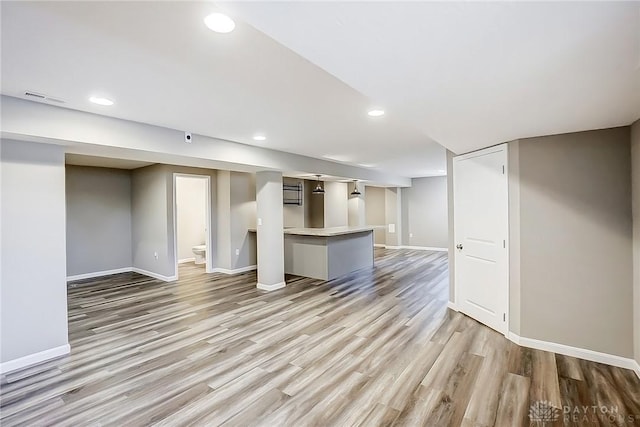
(200, 252)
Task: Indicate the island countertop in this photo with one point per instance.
(325, 232)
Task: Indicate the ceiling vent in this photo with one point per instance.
(41, 97)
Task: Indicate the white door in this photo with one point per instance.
(481, 229)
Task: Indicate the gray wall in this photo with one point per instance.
(294, 215)
(98, 206)
(374, 207)
(336, 208)
(33, 295)
(314, 216)
(635, 188)
(152, 231)
(425, 213)
(243, 217)
(575, 240)
(191, 214)
(393, 215)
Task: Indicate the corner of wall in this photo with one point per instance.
(635, 203)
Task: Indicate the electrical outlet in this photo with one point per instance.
(155, 255)
(259, 221)
(237, 252)
(410, 235)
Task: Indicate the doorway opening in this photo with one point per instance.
(192, 222)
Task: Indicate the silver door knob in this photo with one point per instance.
(459, 246)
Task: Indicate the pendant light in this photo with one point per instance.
(318, 189)
(355, 191)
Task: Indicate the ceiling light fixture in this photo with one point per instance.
(101, 101)
(220, 23)
(376, 113)
(260, 138)
(318, 189)
(355, 191)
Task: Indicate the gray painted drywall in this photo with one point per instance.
(223, 220)
(635, 188)
(336, 210)
(33, 295)
(393, 216)
(452, 278)
(243, 217)
(375, 212)
(294, 215)
(98, 203)
(575, 240)
(426, 213)
(191, 214)
(356, 206)
(151, 215)
(315, 215)
(270, 238)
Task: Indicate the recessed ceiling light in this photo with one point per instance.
(101, 101)
(367, 165)
(220, 23)
(376, 113)
(260, 138)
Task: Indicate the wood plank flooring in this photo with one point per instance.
(377, 347)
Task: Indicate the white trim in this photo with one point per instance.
(425, 248)
(98, 274)
(637, 368)
(271, 287)
(34, 359)
(185, 260)
(581, 353)
(415, 248)
(452, 305)
(235, 270)
(155, 275)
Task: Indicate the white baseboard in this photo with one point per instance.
(34, 359)
(425, 248)
(98, 274)
(637, 368)
(271, 287)
(154, 275)
(581, 353)
(453, 306)
(235, 270)
(182, 261)
(415, 248)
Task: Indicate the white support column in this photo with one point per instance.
(393, 216)
(270, 228)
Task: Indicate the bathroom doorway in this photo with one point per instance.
(192, 221)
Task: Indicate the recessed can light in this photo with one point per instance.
(260, 138)
(101, 101)
(376, 113)
(220, 23)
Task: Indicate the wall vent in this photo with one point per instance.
(42, 97)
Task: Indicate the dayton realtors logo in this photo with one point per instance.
(543, 412)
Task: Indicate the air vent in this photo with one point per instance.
(42, 97)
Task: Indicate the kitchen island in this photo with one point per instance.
(327, 253)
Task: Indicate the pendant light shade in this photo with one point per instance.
(318, 189)
(355, 191)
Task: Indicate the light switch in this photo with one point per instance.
(259, 221)
(392, 228)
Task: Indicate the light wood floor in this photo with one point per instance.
(374, 348)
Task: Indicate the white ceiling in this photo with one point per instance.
(103, 162)
(473, 74)
(162, 66)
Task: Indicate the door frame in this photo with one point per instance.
(209, 255)
(506, 282)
